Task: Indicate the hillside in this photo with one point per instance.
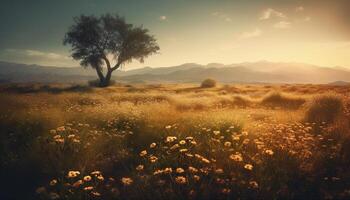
(190, 72)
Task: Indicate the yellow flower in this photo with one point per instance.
(73, 174)
(71, 136)
(180, 170)
(152, 145)
(168, 170)
(226, 191)
(88, 188)
(269, 152)
(61, 128)
(96, 194)
(253, 184)
(170, 139)
(182, 142)
(78, 183)
(196, 178)
(153, 159)
(189, 138)
(95, 173)
(227, 144)
(127, 181)
(181, 180)
(87, 178)
(248, 166)
(192, 169)
(168, 127)
(216, 132)
(143, 153)
(100, 177)
(183, 150)
(219, 171)
(53, 182)
(236, 157)
(139, 167)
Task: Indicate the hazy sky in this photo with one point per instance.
(200, 31)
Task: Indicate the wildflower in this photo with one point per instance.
(53, 131)
(180, 170)
(76, 140)
(182, 142)
(248, 167)
(170, 139)
(183, 150)
(168, 170)
(97, 194)
(87, 178)
(168, 127)
(73, 174)
(54, 195)
(219, 171)
(193, 142)
(227, 144)
(196, 177)
(100, 177)
(180, 180)
(189, 155)
(139, 167)
(189, 138)
(205, 160)
(78, 183)
(269, 152)
(245, 133)
(192, 169)
(153, 159)
(235, 138)
(158, 171)
(57, 137)
(71, 136)
(152, 145)
(143, 153)
(88, 188)
(61, 129)
(216, 132)
(127, 181)
(175, 146)
(236, 157)
(253, 184)
(40, 190)
(225, 191)
(95, 173)
(53, 182)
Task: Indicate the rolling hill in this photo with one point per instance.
(248, 72)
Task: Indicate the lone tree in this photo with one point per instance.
(100, 41)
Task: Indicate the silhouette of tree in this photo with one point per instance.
(100, 41)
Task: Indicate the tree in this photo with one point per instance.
(100, 41)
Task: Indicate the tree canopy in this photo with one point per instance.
(100, 41)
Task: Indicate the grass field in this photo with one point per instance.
(176, 141)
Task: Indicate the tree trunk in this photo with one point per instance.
(107, 79)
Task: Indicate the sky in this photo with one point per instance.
(188, 31)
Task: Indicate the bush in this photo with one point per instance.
(325, 108)
(208, 83)
(276, 99)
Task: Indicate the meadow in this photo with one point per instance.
(175, 141)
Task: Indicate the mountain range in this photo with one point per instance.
(248, 72)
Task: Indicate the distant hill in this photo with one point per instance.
(263, 71)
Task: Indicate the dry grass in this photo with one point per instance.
(240, 147)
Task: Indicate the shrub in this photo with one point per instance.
(208, 83)
(326, 108)
(276, 99)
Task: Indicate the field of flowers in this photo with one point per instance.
(175, 142)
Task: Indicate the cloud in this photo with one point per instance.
(36, 53)
(31, 56)
(271, 13)
(251, 34)
(222, 16)
(163, 18)
(299, 9)
(282, 25)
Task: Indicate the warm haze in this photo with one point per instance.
(225, 31)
